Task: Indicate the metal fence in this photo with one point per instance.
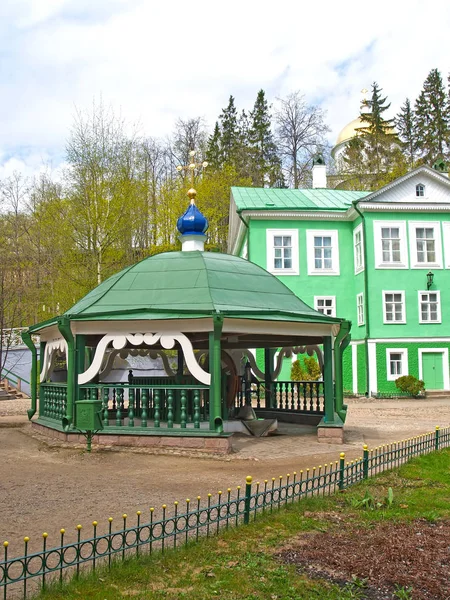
(200, 517)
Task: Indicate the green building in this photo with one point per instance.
(379, 259)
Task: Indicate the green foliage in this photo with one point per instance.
(403, 593)
(308, 371)
(410, 384)
(368, 502)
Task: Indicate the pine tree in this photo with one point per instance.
(214, 150)
(265, 162)
(229, 132)
(432, 119)
(373, 115)
(405, 124)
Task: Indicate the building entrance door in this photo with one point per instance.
(433, 373)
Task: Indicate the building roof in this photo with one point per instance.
(194, 284)
(247, 198)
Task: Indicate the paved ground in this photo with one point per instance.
(44, 488)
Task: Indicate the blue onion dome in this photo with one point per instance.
(193, 222)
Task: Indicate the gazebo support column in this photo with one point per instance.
(269, 353)
(215, 393)
(66, 332)
(34, 374)
(331, 427)
(80, 354)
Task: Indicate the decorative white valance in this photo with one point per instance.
(167, 341)
(52, 348)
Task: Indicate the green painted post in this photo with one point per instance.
(268, 368)
(156, 417)
(183, 418)
(341, 470)
(339, 387)
(105, 407)
(26, 337)
(215, 400)
(436, 439)
(144, 408)
(196, 409)
(64, 328)
(248, 496)
(328, 390)
(169, 409)
(365, 461)
(131, 397)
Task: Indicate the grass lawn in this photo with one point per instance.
(361, 543)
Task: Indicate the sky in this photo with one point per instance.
(156, 61)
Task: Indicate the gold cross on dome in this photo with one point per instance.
(192, 166)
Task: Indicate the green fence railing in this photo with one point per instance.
(207, 517)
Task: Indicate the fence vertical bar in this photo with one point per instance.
(436, 439)
(365, 461)
(61, 556)
(248, 495)
(110, 520)
(44, 557)
(5, 546)
(138, 531)
(341, 470)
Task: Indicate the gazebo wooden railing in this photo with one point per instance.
(305, 397)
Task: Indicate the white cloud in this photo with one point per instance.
(159, 61)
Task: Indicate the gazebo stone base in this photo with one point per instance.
(330, 434)
(198, 442)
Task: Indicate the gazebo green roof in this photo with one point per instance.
(194, 284)
(247, 198)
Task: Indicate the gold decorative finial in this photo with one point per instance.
(191, 168)
(192, 193)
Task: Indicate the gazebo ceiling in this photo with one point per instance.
(194, 285)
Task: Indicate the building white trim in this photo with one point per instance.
(445, 367)
(334, 235)
(360, 304)
(413, 226)
(270, 251)
(355, 368)
(358, 267)
(404, 363)
(372, 366)
(383, 295)
(438, 302)
(403, 340)
(446, 238)
(378, 247)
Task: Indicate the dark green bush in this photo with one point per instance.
(410, 385)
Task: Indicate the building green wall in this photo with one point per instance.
(347, 370)
(362, 368)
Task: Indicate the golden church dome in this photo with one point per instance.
(350, 131)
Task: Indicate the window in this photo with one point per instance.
(282, 251)
(360, 308)
(425, 244)
(390, 244)
(325, 305)
(396, 363)
(446, 237)
(394, 307)
(358, 249)
(429, 307)
(420, 190)
(323, 252)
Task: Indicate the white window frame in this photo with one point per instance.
(438, 294)
(422, 185)
(333, 305)
(379, 263)
(270, 255)
(446, 238)
(356, 231)
(383, 294)
(413, 226)
(358, 304)
(310, 235)
(404, 362)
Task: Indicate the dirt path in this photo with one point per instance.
(45, 488)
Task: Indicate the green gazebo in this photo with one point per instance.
(204, 313)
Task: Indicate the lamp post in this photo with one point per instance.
(430, 277)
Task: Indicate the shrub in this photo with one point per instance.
(410, 385)
(309, 371)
